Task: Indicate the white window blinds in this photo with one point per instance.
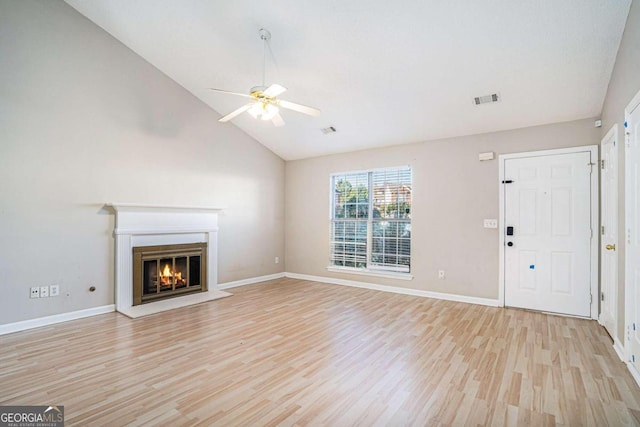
(371, 220)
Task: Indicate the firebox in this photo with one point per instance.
(168, 271)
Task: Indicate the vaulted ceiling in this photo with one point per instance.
(382, 72)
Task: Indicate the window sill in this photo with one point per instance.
(362, 272)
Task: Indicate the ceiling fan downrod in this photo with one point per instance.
(265, 36)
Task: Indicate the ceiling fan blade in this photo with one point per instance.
(299, 108)
(277, 120)
(234, 113)
(274, 90)
(230, 93)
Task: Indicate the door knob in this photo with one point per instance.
(611, 247)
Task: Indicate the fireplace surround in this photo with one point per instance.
(137, 226)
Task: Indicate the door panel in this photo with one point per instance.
(561, 212)
(561, 268)
(548, 203)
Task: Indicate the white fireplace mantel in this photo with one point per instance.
(148, 225)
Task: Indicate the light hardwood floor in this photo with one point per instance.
(292, 352)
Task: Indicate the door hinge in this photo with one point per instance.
(590, 299)
(601, 164)
(602, 296)
(602, 230)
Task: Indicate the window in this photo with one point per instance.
(371, 220)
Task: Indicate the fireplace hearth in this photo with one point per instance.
(167, 271)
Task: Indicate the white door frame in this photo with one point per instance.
(612, 134)
(595, 241)
(628, 198)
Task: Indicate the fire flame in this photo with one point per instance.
(166, 271)
(167, 275)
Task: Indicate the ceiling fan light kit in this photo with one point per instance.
(265, 103)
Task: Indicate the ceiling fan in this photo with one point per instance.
(264, 100)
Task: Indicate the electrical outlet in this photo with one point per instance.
(440, 274)
(34, 292)
(54, 290)
(277, 260)
(44, 291)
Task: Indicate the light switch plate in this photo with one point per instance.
(54, 290)
(490, 223)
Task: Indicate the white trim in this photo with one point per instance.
(23, 325)
(628, 199)
(618, 348)
(635, 101)
(501, 231)
(554, 152)
(133, 207)
(634, 372)
(163, 230)
(595, 245)
(372, 170)
(612, 135)
(363, 272)
(395, 290)
(250, 281)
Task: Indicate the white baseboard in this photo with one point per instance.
(396, 290)
(56, 318)
(619, 349)
(634, 372)
(250, 281)
(64, 317)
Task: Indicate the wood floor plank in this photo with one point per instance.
(292, 353)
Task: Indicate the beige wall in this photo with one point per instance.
(624, 84)
(452, 193)
(84, 121)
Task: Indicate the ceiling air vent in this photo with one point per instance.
(330, 129)
(487, 99)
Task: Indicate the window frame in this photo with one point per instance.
(371, 269)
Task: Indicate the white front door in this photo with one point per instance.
(632, 211)
(609, 232)
(547, 226)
